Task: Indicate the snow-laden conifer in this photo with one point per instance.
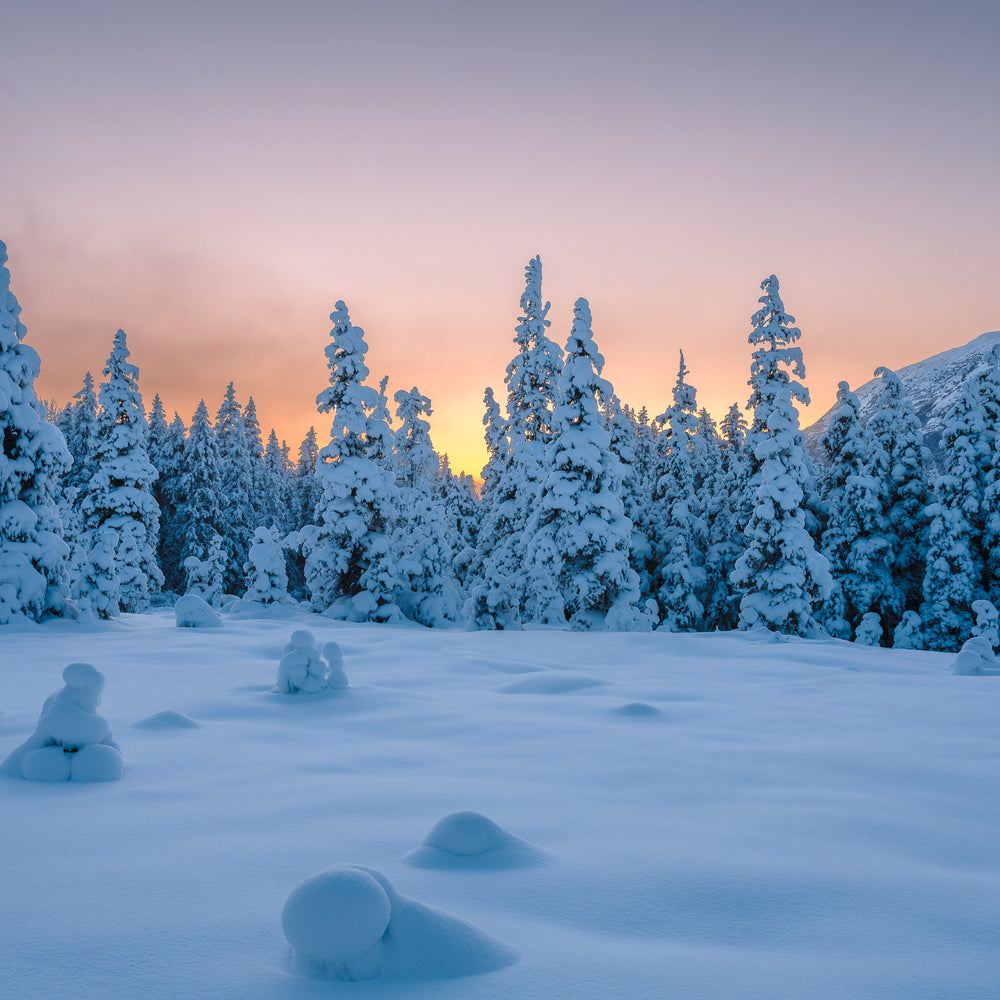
(267, 581)
(33, 579)
(349, 564)
(900, 460)
(578, 552)
(421, 542)
(855, 537)
(682, 530)
(498, 591)
(237, 462)
(954, 562)
(119, 497)
(200, 488)
(781, 575)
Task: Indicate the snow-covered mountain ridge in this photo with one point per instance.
(933, 385)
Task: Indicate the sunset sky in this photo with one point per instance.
(214, 182)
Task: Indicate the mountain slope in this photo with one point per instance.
(933, 385)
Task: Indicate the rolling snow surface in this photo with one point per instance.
(586, 815)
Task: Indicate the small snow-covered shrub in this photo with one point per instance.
(267, 581)
(869, 631)
(907, 634)
(193, 611)
(71, 742)
(976, 658)
(302, 668)
(987, 622)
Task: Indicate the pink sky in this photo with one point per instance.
(213, 186)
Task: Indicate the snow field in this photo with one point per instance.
(796, 820)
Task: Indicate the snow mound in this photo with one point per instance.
(638, 710)
(551, 684)
(167, 720)
(976, 658)
(471, 840)
(71, 741)
(350, 924)
(193, 611)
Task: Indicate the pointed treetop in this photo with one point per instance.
(531, 299)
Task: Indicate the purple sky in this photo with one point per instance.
(213, 183)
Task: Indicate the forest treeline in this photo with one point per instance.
(589, 515)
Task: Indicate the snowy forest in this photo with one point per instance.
(589, 514)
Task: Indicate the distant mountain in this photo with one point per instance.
(933, 385)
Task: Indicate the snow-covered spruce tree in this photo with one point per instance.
(781, 575)
(267, 582)
(349, 566)
(724, 500)
(989, 394)
(462, 508)
(954, 562)
(79, 426)
(33, 579)
(682, 533)
(207, 577)
(636, 492)
(200, 509)
(421, 542)
(119, 497)
(274, 498)
(900, 460)
(498, 593)
(855, 540)
(170, 454)
(578, 551)
(236, 462)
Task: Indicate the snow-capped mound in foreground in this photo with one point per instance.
(163, 721)
(71, 742)
(976, 658)
(193, 611)
(349, 923)
(471, 840)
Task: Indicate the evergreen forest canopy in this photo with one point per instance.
(590, 516)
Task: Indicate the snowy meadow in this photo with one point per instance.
(699, 816)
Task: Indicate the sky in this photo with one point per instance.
(212, 178)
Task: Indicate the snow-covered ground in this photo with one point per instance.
(696, 816)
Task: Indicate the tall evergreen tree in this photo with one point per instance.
(33, 579)
(349, 567)
(578, 552)
(954, 558)
(119, 497)
(200, 509)
(498, 592)
(855, 540)
(682, 531)
(780, 574)
(236, 477)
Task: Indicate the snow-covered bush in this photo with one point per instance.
(303, 669)
(267, 581)
(987, 622)
(192, 611)
(71, 742)
(976, 658)
(908, 633)
(869, 631)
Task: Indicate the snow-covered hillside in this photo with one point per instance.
(933, 385)
(690, 816)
